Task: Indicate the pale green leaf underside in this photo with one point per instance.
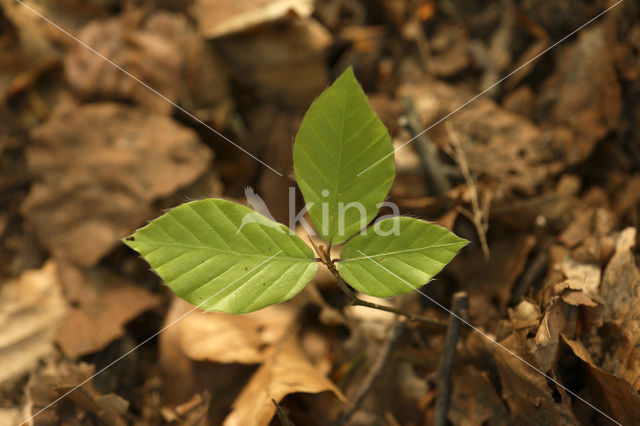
(339, 137)
(206, 254)
(385, 266)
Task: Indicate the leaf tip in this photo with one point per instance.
(348, 74)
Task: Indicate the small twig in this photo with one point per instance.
(459, 307)
(437, 181)
(376, 371)
(479, 214)
(531, 274)
(326, 259)
(282, 416)
(355, 301)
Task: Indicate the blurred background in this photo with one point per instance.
(541, 173)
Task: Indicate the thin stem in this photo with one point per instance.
(443, 381)
(282, 416)
(355, 301)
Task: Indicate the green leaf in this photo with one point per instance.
(341, 136)
(397, 255)
(222, 256)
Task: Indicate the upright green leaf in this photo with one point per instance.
(397, 255)
(339, 137)
(222, 256)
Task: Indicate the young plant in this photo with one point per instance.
(222, 256)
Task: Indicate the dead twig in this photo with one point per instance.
(437, 181)
(479, 214)
(459, 307)
(282, 416)
(534, 271)
(376, 371)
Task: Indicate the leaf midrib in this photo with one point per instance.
(232, 252)
(391, 253)
(334, 196)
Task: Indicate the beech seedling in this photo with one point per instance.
(223, 256)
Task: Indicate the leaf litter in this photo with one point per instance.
(87, 155)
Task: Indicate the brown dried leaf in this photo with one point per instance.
(89, 329)
(449, 50)
(285, 371)
(584, 96)
(225, 338)
(581, 276)
(162, 50)
(26, 50)
(94, 187)
(581, 289)
(622, 401)
(527, 394)
(579, 298)
(544, 347)
(494, 278)
(271, 60)
(621, 293)
(57, 379)
(547, 210)
(474, 400)
(183, 378)
(505, 148)
(223, 17)
(31, 307)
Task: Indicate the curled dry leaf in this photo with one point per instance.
(30, 308)
(183, 377)
(261, 337)
(217, 18)
(527, 394)
(226, 338)
(544, 347)
(286, 370)
(101, 184)
(581, 288)
(581, 276)
(622, 401)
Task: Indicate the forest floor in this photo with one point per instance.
(541, 173)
